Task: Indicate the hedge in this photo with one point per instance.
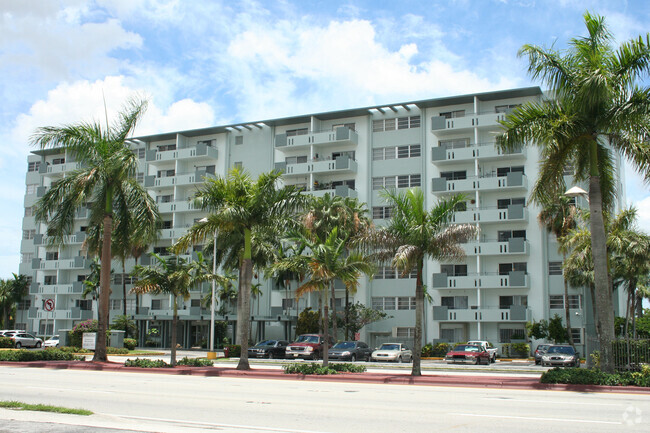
(50, 354)
(6, 342)
(130, 343)
(234, 350)
(195, 362)
(146, 363)
(314, 368)
(582, 376)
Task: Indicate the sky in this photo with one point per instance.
(211, 62)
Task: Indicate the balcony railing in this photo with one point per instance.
(512, 181)
(514, 279)
(483, 151)
(515, 313)
(340, 165)
(495, 248)
(199, 151)
(513, 213)
(341, 135)
(489, 119)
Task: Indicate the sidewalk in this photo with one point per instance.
(428, 379)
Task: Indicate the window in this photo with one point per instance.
(209, 143)
(412, 274)
(506, 302)
(165, 198)
(505, 108)
(29, 211)
(506, 268)
(503, 203)
(139, 177)
(166, 225)
(166, 147)
(26, 257)
(33, 166)
(52, 255)
(393, 124)
(454, 270)
(504, 235)
(84, 304)
(568, 170)
(453, 114)
(238, 165)
(456, 143)
(576, 334)
(31, 188)
(503, 171)
(49, 280)
(115, 304)
(156, 304)
(166, 173)
(555, 268)
(57, 161)
(24, 304)
(294, 132)
(295, 159)
(575, 301)
(383, 303)
(406, 303)
(406, 151)
(383, 182)
(381, 212)
(454, 302)
(141, 152)
(408, 180)
(288, 303)
(454, 175)
(29, 234)
(161, 251)
(508, 334)
(556, 302)
(405, 332)
(118, 279)
(350, 126)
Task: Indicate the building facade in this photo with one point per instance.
(512, 273)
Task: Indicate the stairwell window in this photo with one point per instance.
(382, 212)
(393, 124)
(555, 268)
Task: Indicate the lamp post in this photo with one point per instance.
(211, 353)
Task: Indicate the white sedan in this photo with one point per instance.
(395, 352)
(52, 342)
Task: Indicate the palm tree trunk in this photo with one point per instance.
(104, 289)
(419, 310)
(174, 328)
(347, 315)
(244, 309)
(603, 300)
(326, 332)
(334, 326)
(124, 291)
(567, 312)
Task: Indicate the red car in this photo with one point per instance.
(471, 353)
(307, 346)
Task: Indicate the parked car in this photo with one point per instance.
(268, 349)
(396, 352)
(23, 339)
(9, 332)
(541, 350)
(307, 346)
(561, 355)
(350, 351)
(52, 342)
(472, 353)
(493, 351)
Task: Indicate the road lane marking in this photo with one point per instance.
(552, 401)
(531, 418)
(218, 425)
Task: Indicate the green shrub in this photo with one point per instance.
(146, 363)
(6, 342)
(78, 330)
(195, 362)
(313, 368)
(581, 376)
(440, 349)
(50, 354)
(515, 350)
(234, 350)
(427, 351)
(130, 343)
(73, 349)
(117, 350)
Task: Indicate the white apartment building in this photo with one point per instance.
(512, 273)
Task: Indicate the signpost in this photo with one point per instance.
(49, 306)
(88, 340)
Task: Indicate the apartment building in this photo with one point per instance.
(512, 272)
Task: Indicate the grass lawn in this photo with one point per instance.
(42, 408)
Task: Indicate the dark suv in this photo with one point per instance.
(307, 346)
(541, 350)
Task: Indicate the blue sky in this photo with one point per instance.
(204, 63)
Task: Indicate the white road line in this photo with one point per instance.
(531, 418)
(208, 424)
(554, 401)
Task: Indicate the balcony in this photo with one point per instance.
(77, 238)
(341, 135)
(487, 120)
(483, 151)
(56, 289)
(496, 248)
(514, 279)
(515, 313)
(197, 152)
(513, 213)
(77, 262)
(173, 233)
(340, 165)
(178, 180)
(57, 169)
(513, 181)
(74, 313)
(177, 206)
(339, 190)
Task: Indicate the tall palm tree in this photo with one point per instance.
(173, 276)
(11, 292)
(106, 179)
(414, 234)
(558, 215)
(239, 205)
(322, 262)
(597, 108)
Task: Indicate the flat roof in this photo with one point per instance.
(354, 112)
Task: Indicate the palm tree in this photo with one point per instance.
(598, 108)
(414, 234)
(11, 292)
(322, 262)
(239, 206)
(558, 215)
(106, 179)
(173, 276)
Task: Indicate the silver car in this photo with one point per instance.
(561, 355)
(23, 339)
(395, 352)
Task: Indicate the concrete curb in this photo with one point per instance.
(478, 381)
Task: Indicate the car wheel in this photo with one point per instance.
(476, 361)
(271, 355)
(18, 345)
(353, 358)
(314, 356)
(38, 344)
(537, 362)
(399, 359)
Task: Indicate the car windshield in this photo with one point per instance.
(344, 345)
(566, 350)
(466, 348)
(266, 343)
(307, 339)
(389, 347)
(56, 337)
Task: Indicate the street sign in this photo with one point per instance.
(49, 304)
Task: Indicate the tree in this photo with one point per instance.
(414, 234)
(106, 180)
(558, 215)
(173, 276)
(237, 207)
(307, 322)
(358, 315)
(11, 292)
(322, 262)
(597, 108)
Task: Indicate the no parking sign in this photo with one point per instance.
(49, 305)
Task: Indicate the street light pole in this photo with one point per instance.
(211, 353)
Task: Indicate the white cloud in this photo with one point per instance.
(643, 214)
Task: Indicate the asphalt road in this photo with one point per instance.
(165, 403)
